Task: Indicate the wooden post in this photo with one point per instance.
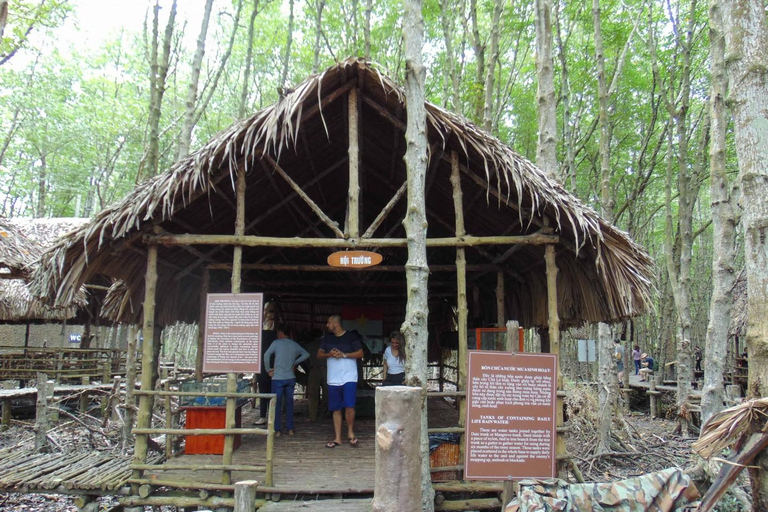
(461, 292)
(41, 414)
(201, 325)
(6, 414)
(58, 365)
(511, 487)
(229, 439)
(83, 402)
(653, 393)
(353, 205)
(554, 348)
(144, 418)
(168, 421)
(501, 312)
(268, 481)
(245, 495)
(397, 485)
(130, 382)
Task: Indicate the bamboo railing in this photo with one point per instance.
(226, 467)
(20, 363)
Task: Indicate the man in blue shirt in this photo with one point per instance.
(287, 354)
(342, 349)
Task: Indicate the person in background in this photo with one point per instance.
(263, 379)
(636, 357)
(698, 356)
(647, 368)
(341, 348)
(394, 360)
(317, 380)
(618, 356)
(288, 354)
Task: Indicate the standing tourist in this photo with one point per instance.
(618, 355)
(341, 349)
(637, 356)
(288, 354)
(394, 360)
(317, 380)
(268, 335)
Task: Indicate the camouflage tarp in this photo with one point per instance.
(670, 490)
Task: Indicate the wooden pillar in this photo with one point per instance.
(554, 348)
(245, 495)
(398, 434)
(511, 487)
(6, 414)
(353, 205)
(130, 381)
(204, 286)
(501, 310)
(41, 413)
(461, 292)
(144, 418)
(237, 260)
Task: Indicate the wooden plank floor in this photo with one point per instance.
(348, 505)
(302, 463)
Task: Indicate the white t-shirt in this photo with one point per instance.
(394, 366)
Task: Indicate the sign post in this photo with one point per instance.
(233, 332)
(511, 421)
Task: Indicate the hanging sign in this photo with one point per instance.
(510, 416)
(354, 259)
(233, 332)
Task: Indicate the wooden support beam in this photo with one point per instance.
(501, 311)
(461, 292)
(204, 286)
(351, 243)
(229, 440)
(313, 206)
(147, 360)
(237, 257)
(554, 348)
(352, 228)
(386, 211)
(278, 267)
(245, 495)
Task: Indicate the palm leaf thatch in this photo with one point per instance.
(727, 427)
(603, 274)
(22, 241)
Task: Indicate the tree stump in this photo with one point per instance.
(398, 452)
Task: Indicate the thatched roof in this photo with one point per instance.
(22, 241)
(603, 274)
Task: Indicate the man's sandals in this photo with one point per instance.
(352, 442)
(332, 444)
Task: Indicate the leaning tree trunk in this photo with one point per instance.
(416, 309)
(725, 217)
(746, 42)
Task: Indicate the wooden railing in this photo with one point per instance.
(226, 468)
(62, 364)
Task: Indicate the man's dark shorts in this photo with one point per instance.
(340, 397)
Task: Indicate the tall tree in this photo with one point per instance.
(488, 114)
(288, 44)
(159, 62)
(248, 61)
(185, 137)
(745, 28)
(319, 6)
(415, 327)
(546, 102)
(725, 217)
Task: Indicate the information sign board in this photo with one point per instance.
(511, 422)
(233, 332)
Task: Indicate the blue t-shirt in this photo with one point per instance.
(340, 370)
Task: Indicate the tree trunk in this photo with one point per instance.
(157, 76)
(608, 387)
(288, 43)
(607, 201)
(724, 221)
(248, 59)
(319, 5)
(479, 48)
(451, 77)
(42, 188)
(546, 102)
(367, 29)
(498, 7)
(569, 176)
(746, 43)
(417, 309)
(191, 104)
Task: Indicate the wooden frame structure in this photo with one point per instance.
(260, 206)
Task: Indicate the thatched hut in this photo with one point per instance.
(22, 241)
(322, 170)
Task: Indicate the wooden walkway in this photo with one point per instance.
(80, 473)
(348, 505)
